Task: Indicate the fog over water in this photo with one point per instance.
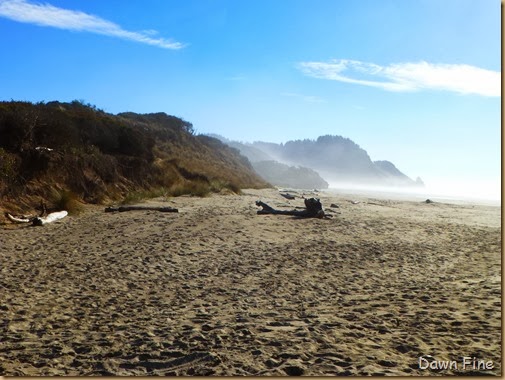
(483, 192)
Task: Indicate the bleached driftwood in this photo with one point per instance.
(20, 218)
(52, 217)
(37, 220)
(140, 208)
(26, 218)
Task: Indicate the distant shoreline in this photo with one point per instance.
(420, 194)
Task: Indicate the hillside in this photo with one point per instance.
(395, 176)
(337, 160)
(334, 159)
(275, 172)
(253, 153)
(289, 176)
(73, 148)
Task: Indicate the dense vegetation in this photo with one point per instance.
(54, 147)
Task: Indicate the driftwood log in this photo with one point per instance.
(313, 209)
(288, 196)
(140, 208)
(37, 220)
(19, 218)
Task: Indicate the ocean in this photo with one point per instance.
(457, 196)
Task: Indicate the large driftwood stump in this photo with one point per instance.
(140, 208)
(313, 209)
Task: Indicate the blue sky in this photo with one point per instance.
(415, 82)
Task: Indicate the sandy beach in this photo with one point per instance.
(218, 290)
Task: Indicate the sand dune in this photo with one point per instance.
(219, 290)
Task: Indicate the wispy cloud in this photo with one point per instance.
(306, 98)
(459, 78)
(48, 15)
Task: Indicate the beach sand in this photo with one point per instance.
(218, 290)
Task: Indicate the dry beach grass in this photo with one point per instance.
(219, 290)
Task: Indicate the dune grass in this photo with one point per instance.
(98, 158)
(65, 200)
(141, 195)
(192, 188)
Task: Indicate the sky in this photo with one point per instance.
(414, 82)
